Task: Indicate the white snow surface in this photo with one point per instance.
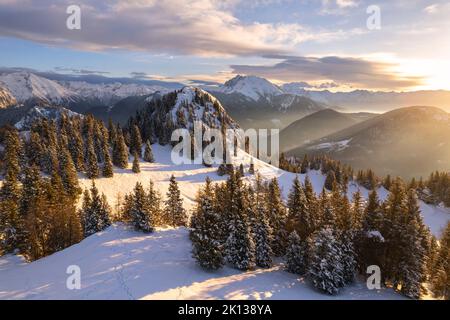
(120, 263)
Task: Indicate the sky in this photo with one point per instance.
(325, 44)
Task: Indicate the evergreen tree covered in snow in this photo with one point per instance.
(325, 267)
(95, 211)
(135, 141)
(262, 233)
(148, 153)
(296, 254)
(440, 278)
(175, 214)
(120, 151)
(136, 167)
(276, 213)
(141, 214)
(205, 233)
(11, 223)
(240, 247)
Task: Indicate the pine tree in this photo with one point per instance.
(348, 258)
(413, 265)
(305, 165)
(277, 218)
(107, 170)
(67, 169)
(296, 254)
(370, 242)
(92, 169)
(136, 168)
(95, 211)
(140, 212)
(299, 218)
(148, 153)
(440, 280)
(12, 233)
(262, 233)
(330, 180)
(325, 268)
(154, 202)
(120, 152)
(136, 141)
(175, 214)
(31, 205)
(240, 247)
(205, 233)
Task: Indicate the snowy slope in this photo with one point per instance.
(251, 87)
(192, 177)
(123, 264)
(24, 86)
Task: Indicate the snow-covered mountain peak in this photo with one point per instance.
(251, 86)
(25, 85)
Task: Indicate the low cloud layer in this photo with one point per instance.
(353, 72)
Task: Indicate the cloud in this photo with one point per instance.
(337, 7)
(80, 71)
(181, 27)
(345, 71)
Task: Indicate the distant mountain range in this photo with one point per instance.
(253, 102)
(318, 125)
(410, 142)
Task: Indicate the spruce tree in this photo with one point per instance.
(205, 232)
(140, 212)
(296, 254)
(136, 167)
(415, 241)
(262, 232)
(440, 279)
(12, 233)
(299, 218)
(240, 247)
(276, 212)
(67, 169)
(325, 269)
(330, 180)
(135, 141)
(155, 207)
(175, 214)
(148, 153)
(92, 170)
(107, 170)
(95, 211)
(33, 211)
(120, 151)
